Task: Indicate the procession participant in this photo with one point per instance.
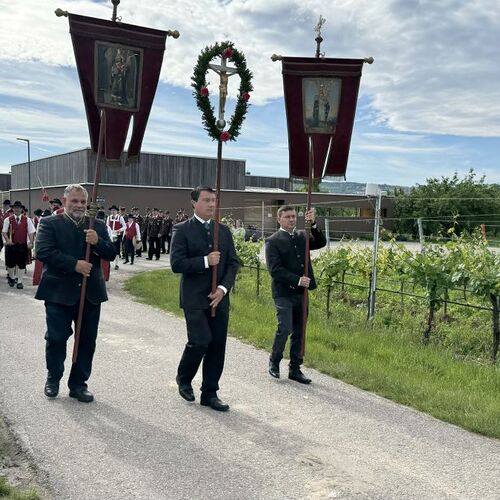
(61, 245)
(132, 235)
(105, 265)
(38, 270)
(285, 257)
(56, 206)
(154, 228)
(168, 224)
(3, 214)
(18, 232)
(117, 225)
(140, 220)
(144, 229)
(192, 255)
(123, 214)
(36, 219)
(163, 231)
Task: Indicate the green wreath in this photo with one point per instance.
(201, 92)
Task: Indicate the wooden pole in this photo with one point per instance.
(217, 216)
(305, 300)
(92, 215)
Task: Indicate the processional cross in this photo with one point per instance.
(224, 73)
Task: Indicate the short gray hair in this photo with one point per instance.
(75, 187)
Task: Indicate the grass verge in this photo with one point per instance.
(384, 356)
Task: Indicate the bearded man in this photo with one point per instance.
(60, 244)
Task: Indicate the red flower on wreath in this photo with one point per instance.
(204, 91)
(245, 96)
(228, 53)
(225, 136)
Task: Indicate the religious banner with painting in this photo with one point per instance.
(119, 68)
(320, 101)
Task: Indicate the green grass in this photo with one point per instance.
(385, 356)
(11, 493)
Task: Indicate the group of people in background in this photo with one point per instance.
(134, 233)
(131, 233)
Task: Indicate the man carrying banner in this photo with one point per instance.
(18, 232)
(192, 255)
(285, 257)
(60, 245)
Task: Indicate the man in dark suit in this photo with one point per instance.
(60, 245)
(285, 257)
(192, 255)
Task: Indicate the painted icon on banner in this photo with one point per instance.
(118, 76)
(321, 98)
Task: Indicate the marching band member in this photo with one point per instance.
(117, 225)
(132, 234)
(18, 232)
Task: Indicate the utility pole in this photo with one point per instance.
(27, 141)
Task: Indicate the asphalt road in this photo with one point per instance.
(281, 440)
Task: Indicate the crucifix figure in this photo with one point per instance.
(224, 72)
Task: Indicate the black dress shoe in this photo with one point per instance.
(19, 286)
(11, 282)
(51, 389)
(186, 391)
(214, 402)
(149, 258)
(274, 369)
(82, 394)
(298, 376)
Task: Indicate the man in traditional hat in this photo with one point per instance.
(18, 232)
(132, 235)
(285, 257)
(192, 255)
(61, 245)
(56, 206)
(154, 235)
(117, 225)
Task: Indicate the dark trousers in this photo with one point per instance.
(144, 238)
(154, 247)
(206, 342)
(162, 243)
(169, 240)
(129, 250)
(118, 243)
(16, 255)
(289, 314)
(59, 320)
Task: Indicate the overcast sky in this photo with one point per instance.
(428, 106)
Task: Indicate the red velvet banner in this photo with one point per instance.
(119, 68)
(320, 102)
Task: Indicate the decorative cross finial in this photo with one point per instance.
(115, 7)
(319, 38)
(224, 72)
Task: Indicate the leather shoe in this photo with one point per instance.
(186, 391)
(215, 403)
(298, 376)
(82, 394)
(51, 389)
(274, 369)
(19, 286)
